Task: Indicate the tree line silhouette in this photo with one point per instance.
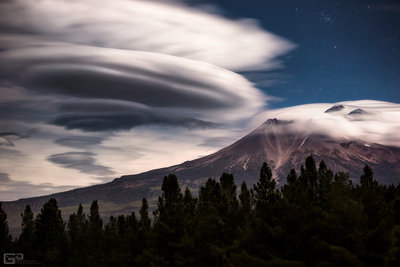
(317, 218)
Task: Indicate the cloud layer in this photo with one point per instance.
(133, 85)
(79, 141)
(117, 89)
(366, 120)
(81, 161)
(148, 78)
(162, 27)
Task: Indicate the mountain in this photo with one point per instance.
(278, 142)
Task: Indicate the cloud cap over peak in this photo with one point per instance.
(378, 123)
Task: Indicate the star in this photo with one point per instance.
(326, 18)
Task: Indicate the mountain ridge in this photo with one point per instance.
(275, 141)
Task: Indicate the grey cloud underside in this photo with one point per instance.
(10, 153)
(79, 141)
(6, 138)
(9, 134)
(20, 105)
(81, 161)
(12, 112)
(92, 82)
(4, 177)
(121, 121)
(119, 90)
(102, 115)
(147, 78)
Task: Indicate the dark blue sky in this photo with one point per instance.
(347, 50)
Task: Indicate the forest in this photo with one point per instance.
(318, 218)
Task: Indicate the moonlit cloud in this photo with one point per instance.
(162, 27)
(6, 138)
(4, 178)
(366, 120)
(92, 90)
(150, 88)
(81, 161)
(79, 141)
(148, 78)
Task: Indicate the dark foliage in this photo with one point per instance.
(317, 219)
(5, 237)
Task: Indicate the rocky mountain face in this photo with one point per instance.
(275, 141)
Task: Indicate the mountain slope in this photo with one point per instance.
(275, 141)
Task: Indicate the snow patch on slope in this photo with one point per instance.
(303, 141)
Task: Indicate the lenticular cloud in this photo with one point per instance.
(109, 78)
(167, 28)
(173, 61)
(367, 120)
(142, 87)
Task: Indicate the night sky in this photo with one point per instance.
(94, 89)
(346, 50)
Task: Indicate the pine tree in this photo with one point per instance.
(95, 235)
(311, 173)
(245, 199)
(171, 199)
(50, 238)
(303, 176)
(5, 237)
(367, 178)
(292, 177)
(210, 195)
(95, 221)
(26, 239)
(343, 179)
(131, 237)
(145, 257)
(264, 189)
(77, 231)
(325, 179)
(113, 245)
(121, 221)
(169, 218)
(190, 203)
(211, 223)
(77, 225)
(228, 187)
(144, 222)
